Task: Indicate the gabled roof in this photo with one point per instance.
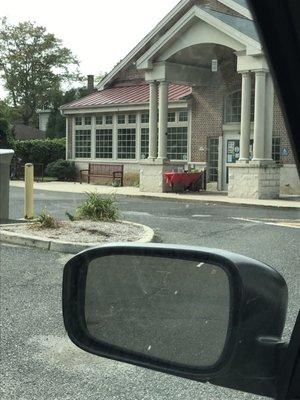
(133, 94)
(239, 6)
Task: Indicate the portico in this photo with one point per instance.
(188, 59)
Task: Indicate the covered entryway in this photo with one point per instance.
(210, 51)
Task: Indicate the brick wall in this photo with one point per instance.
(208, 109)
(280, 130)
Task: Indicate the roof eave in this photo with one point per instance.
(141, 44)
(245, 12)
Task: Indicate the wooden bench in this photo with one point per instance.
(113, 171)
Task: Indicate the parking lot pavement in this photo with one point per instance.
(39, 361)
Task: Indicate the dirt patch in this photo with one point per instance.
(81, 231)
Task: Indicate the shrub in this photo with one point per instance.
(63, 170)
(40, 151)
(98, 208)
(47, 221)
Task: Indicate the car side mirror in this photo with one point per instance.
(202, 314)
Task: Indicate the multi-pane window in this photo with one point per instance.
(177, 143)
(83, 143)
(183, 116)
(99, 120)
(104, 143)
(213, 152)
(126, 143)
(144, 143)
(145, 118)
(121, 119)
(171, 117)
(87, 120)
(276, 150)
(233, 107)
(131, 118)
(78, 121)
(108, 119)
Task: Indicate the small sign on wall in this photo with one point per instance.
(214, 65)
(285, 152)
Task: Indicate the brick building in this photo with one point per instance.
(196, 90)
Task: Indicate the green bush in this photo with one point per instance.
(47, 221)
(63, 170)
(40, 151)
(98, 208)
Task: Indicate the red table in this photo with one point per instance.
(182, 179)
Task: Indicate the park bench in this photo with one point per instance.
(113, 171)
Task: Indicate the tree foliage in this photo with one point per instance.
(5, 128)
(32, 63)
(40, 151)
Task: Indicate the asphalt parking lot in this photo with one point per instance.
(39, 361)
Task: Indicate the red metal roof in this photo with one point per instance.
(126, 95)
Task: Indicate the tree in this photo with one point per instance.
(56, 126)
(32, 63)
(5, 128)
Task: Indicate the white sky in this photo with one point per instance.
(99, 32)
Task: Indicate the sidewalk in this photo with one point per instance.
(207, 197)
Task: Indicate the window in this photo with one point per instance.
(131, 118)
(213, 152)
(121, 119)
(144, 143)
(87, 120)
(171, 117)
(104, 142)
(276, 150)
(83, 143)
(183, 116)
(177, 143)
(126, 143)
(233, 106)
(145, 118)
(78, 121)
(108, 119)
(99, 120)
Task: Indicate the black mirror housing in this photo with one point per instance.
(253, 349)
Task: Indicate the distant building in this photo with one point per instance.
(24, 132)
(43, 119)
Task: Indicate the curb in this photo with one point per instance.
(22, 239)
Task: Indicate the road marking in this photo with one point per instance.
(138, 213)
(201, 216)
(282, 223)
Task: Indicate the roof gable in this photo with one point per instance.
(239, 6)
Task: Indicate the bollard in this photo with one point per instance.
(28, 208)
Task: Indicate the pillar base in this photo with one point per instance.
(151, 175)
(256, 180)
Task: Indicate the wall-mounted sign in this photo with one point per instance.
(214, 65)
(285, 152)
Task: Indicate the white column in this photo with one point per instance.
(93, 138)
(163, 120)
(153, 109)
(269, 117)
(259, 116)
(245, 116)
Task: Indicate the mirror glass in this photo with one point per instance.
(174, 310)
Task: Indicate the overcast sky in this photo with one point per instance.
(99, 32)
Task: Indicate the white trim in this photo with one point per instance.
(252, 46)
(142, 43)
(120, 108)
(238, 8)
